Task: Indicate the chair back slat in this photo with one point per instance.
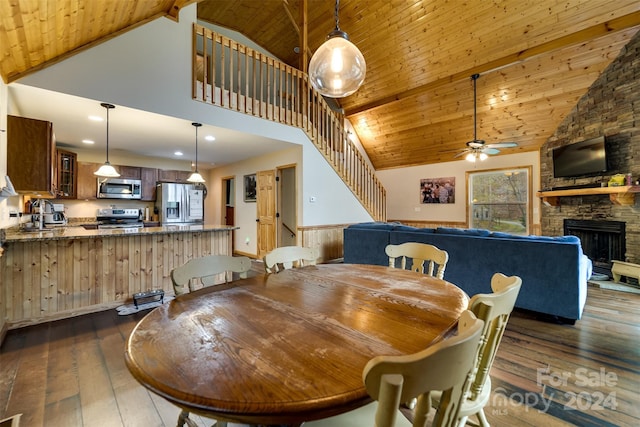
(494, 309)
(287, 257)
(205, 271)
(447, 365)
(424, 258)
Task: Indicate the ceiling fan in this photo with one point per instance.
(477, 148)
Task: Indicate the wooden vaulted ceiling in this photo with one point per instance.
(535, 58)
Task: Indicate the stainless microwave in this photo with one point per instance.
(118, 188)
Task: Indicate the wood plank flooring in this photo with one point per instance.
(72, 373)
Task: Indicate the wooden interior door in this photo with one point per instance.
(266, 200)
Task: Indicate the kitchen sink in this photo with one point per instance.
(90, 226)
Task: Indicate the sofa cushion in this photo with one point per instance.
(565, 239)
(373, 226)
(464, 231)
(413, 229)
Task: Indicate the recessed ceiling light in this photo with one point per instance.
(210, 138)
(96, 118)
(178, 153)
(88, 141)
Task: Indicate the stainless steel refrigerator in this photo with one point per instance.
(179, 203)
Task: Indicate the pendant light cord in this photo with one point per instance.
(196, 149)
(196, 125)
(336, 15)
(107, 135)
(107, 107)
(474, 78)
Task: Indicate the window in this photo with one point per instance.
(500, 199)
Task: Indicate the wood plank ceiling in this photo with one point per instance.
(536, 58)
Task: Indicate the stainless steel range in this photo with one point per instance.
(119, 218)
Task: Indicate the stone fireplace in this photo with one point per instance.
(602, 241)
(610, 108)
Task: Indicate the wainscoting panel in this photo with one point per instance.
(57, 278)
(327, 238)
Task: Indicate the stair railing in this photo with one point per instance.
(236, 77)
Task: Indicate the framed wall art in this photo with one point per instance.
(250, 188)
(438, 190)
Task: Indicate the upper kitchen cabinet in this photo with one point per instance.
(149, 177)
(66, 174)
(128, 172)
(87, 181)
(173, 175)
(31, 155)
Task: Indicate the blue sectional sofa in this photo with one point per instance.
(554, 270)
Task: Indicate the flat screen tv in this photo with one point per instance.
(581, 158)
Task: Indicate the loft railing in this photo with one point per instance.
(230, 75)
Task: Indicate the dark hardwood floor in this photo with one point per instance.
(72, 372)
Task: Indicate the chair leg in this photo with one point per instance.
(184, 418)
(482, 419)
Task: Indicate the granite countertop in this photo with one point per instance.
(79, 232)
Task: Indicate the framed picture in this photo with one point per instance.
(438, 190)
(250, 188)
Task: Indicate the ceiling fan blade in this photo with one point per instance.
(490, 150)
(462, 153)
(502, 145)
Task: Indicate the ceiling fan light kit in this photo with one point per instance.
(477, 149)
(106, 170)
(337, 69)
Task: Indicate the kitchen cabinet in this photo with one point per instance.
(128, 172)
(149, 177)
(87, 183)
(31, 155)
(169, 175)
(66, 174)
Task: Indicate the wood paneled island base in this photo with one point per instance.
(55, 275)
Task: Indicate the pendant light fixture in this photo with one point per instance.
(337, 68)
(195, 176)
(107, 170)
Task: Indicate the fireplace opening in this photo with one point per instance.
(602, 241)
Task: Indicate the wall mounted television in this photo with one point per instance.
(588, 157)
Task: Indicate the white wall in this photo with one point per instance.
(403, 187)
(10, 204)
(334, 202)
(245, 239)
(149, 68)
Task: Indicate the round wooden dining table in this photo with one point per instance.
(285, 348)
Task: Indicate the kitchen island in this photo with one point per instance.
(68, 271)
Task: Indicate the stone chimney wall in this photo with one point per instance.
(611, 108)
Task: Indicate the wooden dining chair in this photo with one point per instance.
(447, 365)
(494, 309)
(289, 257)
(200, 272)
(425, 258)
(204, 271)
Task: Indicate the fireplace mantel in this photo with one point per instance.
(623, 195)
